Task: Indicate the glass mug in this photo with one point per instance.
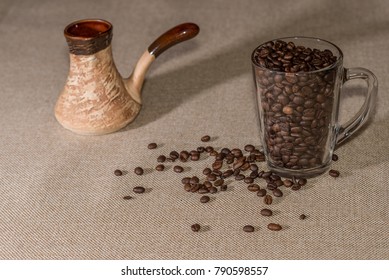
(299, 109)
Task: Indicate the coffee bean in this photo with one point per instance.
(249, 148)
(204, 199)
(139, 189)
(253, 188)
(174, 155)
(207, 171)
(195, 157)
(277, 193)
(248, 228)
(271, 186)
(211, 177)
(187, 187)
(138, 170)
(209, 149)
(201, 149)
(302, 217)
(296, 187)
(207, 184)
(274, 227)
(268, 199)
(228, 173)
(160, 167)
(161, 158)
(205, 138)
(178, 169)
(261, 193)
(184, 156)
(127, 197)
(253, 167)
(248, 180)
(195, 227)
(152, 146)
(223, 188)
(213, 190)
(194, 180)
(266, 212)
(334, 157)
(217, 164)
(195, 187)
(334, 173)
(203, 190)
(302, 181)
(118, 172)
(218, 182)
(239, 177)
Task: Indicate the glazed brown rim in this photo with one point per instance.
(100, 34)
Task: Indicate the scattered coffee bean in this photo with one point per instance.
(277, 193)
(334, 173)
(302, 182)
(152, 146)
(218, 182)
(266, 212)
(274, 227)
(249, 148)
(161, 158)
(207, 171)
(195, 227)
(139, 189)
(174, 155)
(213, 190)
(205, 138)
(184, 156)
(118, 172)
(201, 149)
(261, 193)
(223, 188)
(204, 199)
(248, 228)
(248, 180)
(239, 177)
(296, 187)
(178, 169)
(203, 190)
(288, 183)
(187, 187)
(302, 217)
(268, 199)
(335, 157)
(138, 170)
(127, 197)
(194, 180)
(253, 187)
(185, 180)
(160, 167)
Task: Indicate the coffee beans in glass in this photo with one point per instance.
(298, 86)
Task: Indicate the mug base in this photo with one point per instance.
(299, 173)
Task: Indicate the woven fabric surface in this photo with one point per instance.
(60, 198)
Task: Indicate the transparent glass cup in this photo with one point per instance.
(298, 110)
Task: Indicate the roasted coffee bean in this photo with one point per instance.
(248, 180)
(253, 174)
(302, 181)
(245, 166)
(195, 227)
(239, 177)
(139, 189)
(211, 177)
(228, 173)
(218, 173)
(223, 188)
(127, 197)
(152, 146)
(217, 164)
(207, 171)
(118, 172)
(184, 156)
(213, 190)
(201, 149)
(185, 180)
(213, 153)
(268, 199)
(277, 193)
(236, 172)
(266, 212)
(261, 193)
(248, 228)
(160, 167)
(249, 148)
(205, 138)
(207, 184)
(302, 217)
(178, 169)
(209, 149)
(296, 187)
(203, 190)
(274, 227)
(195, 157)
(334, 173)
(187, 187)
(161, 158)
(204, 199)
(138, 170)
(253, 167)
(194, 180)
(174, 155)
(335, 157)
(195, 187)
(271, 186)
(218, 182)
(288, 183)
(253, 187)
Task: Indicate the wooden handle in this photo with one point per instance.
(173, 36)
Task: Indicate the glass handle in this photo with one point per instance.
(347, 129)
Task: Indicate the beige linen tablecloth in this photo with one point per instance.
(59, 198)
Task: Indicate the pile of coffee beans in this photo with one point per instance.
(295, 103)
(239, 164)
